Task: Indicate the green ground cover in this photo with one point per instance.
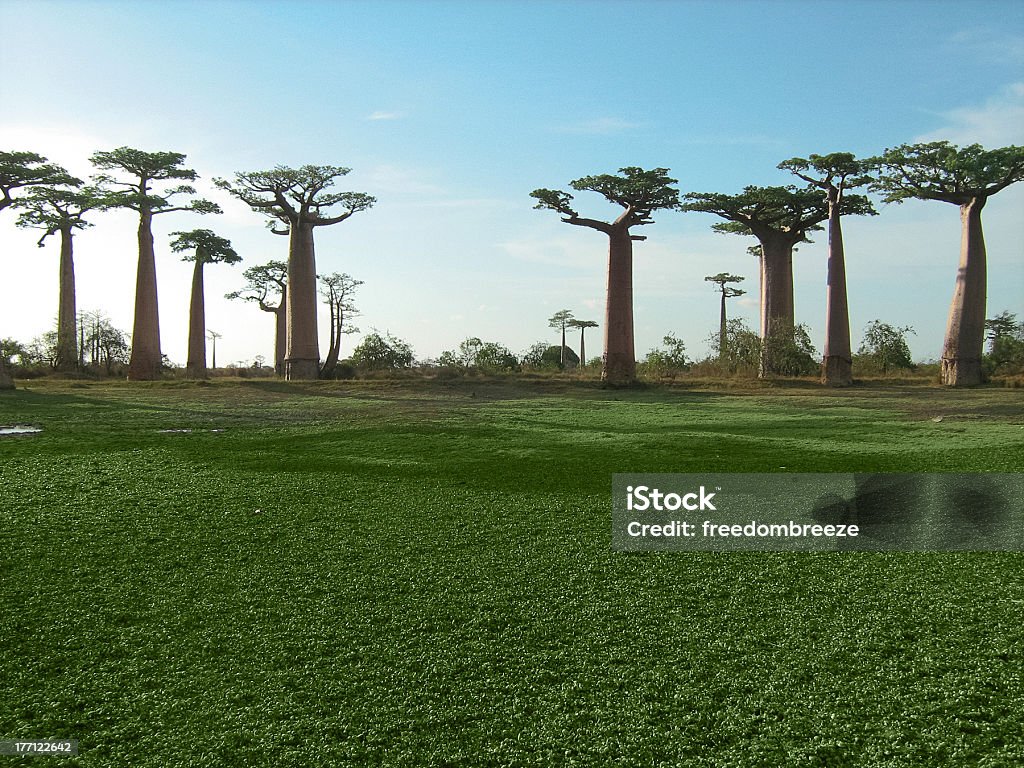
(372, 573)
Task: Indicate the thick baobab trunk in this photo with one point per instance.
(6, 380)
(776, 300)
(66, 358)
(302, 358)
(965, 330)
(561, 351)
(583, 349)
(836, 367)
(195, 368)
(619, 355)
(331, 361)
(146, 358)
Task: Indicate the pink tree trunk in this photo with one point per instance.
(619, 353)
(195, 368)
(302, 358)
(67, 316)
(776, 298)
(836, 367)
(965, 329)
(146, 358)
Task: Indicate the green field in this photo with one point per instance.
(420, 574)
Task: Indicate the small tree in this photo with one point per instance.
(265, 283)
(582, 325)
(146, 169)
(721, 280)
(338, 289)
(967, 178)
(18, 170)
(886, 346)
(668, 361)
(834, 174)
(1006, 343)
(376, 352)
(63, 210)
(560, 320)
(299, 199)
(201, 247)
(639, 193)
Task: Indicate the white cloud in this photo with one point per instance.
(998, 122)
(381, 115)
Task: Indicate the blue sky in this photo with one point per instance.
(450, 113)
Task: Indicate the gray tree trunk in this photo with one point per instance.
(6, 380)
(965, 329)
(777, 317)
(195, 368)
(619, 354)
(302, 358)
(836, 367)
(146, 358)
(66, 358)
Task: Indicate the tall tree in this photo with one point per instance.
(779, 217)
(264, 282)
(834, 174)
(560, 320)
(147, 169)
(338, 289)
(966, 177)
(582, 325)
(25, 169)
(728, 292)
(201, 247)
(63, 210)
(298, 199)
(639, 193)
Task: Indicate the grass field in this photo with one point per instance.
(417, 574)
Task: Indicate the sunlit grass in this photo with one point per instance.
(377, 573)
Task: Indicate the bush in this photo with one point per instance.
(884, 348)
(789, 352)
(382, 353)
(667, 362)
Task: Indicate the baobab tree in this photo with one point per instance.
(213, 336)
(338, 289)
(728, 292)
(298, 199)
(62, 209)
(18, 170)
(779, 217)
(560, 320)
(140, 195)
(640, 193)
(966, 177)
(834, 174)
(201, 247)
(263, 282)
(582, 325)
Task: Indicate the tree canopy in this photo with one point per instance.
(940, 170)
(291, 195)
(640, 193)
(204, 246)
(146, 168)
(53, 208)
(28, 169)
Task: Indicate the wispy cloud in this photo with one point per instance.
(601, 126)
(997, 122)
(990, 45)
(382, 115)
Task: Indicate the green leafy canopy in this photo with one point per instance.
(940, 170)
(206, 247)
